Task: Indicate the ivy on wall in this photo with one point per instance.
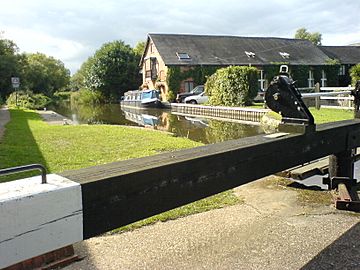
(175, 76)
(300, 73)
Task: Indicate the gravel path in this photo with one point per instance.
(4, 119)
(271, 230)
(53, 118)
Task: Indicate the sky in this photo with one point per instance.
(72, 30)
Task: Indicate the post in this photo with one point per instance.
(342, 164)
(356, 95)
(317, 98)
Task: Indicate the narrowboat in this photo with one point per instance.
(142, 99)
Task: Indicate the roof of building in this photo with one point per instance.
(235, 50)
(345, 54)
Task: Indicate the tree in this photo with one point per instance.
(355, 74)
(139, 48)
(45, 74)
(9, 66)
(314, 37)
(112, 70)
(77, 80)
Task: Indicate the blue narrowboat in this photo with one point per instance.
(142, 99)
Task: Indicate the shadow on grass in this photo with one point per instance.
(18, 146)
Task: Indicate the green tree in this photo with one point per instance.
(9, 65)
(314, 37)
(139, 48)
(77, 80)
(355, 74)
(45, 74)
(232, 86)
(112, 70)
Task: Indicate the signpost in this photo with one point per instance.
(15, 81)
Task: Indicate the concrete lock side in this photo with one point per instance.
(37, 218)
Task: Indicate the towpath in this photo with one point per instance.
(276, 227)
(4, 119)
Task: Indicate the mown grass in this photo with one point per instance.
(325, 115)
(28, 139)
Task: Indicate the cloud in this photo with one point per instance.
(73, 30)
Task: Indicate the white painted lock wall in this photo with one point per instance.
(38, 218)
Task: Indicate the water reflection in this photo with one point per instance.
(195, 128)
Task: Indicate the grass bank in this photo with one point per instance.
(325, 115)
(28, 139)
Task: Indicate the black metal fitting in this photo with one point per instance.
(30, 167)
(283, 97)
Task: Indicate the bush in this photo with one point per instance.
(232, 86)
(63, 95)
(28, 100)
(170, 96)
(86, 96)
(355, 74)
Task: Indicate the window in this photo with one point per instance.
(183, 56)
(284, 55)
(342, 70)
(189, 86)
(323, 78)
(250, 54)
(152, 48)
(146, 95)
(153, 67)
(311, 79)
(261, 80)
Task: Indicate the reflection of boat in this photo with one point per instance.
(197, 121)
(141, 118)
(142, 99)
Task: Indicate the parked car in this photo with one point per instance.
(198, 99)
(260, 96)
(196, 91)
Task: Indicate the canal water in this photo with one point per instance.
(195, 128)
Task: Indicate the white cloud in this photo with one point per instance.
(32, 41)
(73, 30)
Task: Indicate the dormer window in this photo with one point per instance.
(250, 54)
(284, 55)
(183, 56)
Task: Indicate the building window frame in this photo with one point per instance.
(342, 70)
(188, 86)
(262, 80)
(311, 81)
(323, 78)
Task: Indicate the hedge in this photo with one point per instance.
(232, 86)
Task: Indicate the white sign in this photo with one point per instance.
(15, 81)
